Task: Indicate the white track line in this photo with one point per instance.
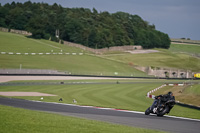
(121, 110)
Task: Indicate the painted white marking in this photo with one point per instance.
(67, 53)
(18, 53)
(121, 110)
(182, 118)
(73, 53)
(47, 53)
(3, 52)
(40, 53)
(26, 53)
(10, 53)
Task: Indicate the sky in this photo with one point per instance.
(177, 18)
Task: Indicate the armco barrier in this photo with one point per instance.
(188, 105)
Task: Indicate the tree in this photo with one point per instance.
(81, 25)
(3, 12)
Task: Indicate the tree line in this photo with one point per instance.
(81, 25)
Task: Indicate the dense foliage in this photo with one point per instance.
(80, 25)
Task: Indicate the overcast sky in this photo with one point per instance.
(177, 18)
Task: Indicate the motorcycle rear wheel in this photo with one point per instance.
(163, 112)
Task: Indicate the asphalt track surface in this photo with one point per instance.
(129, 118)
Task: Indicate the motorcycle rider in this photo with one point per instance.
(162, 99)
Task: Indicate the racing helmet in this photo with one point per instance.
(170, 93)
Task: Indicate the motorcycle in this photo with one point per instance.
(160, 108)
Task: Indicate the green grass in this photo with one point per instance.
(21, 44)
(75, 64)
(15, 120)
(164, 58)
(194, 89)
(186, 48)
(122, 96)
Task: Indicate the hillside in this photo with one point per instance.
(83, 26)
(192, 49)
(178, 57)
(83, 62)
(72, 60)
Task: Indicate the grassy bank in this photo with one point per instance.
(186, 48)
(11, 42)
(75, 64)
(164, 58)
(86, 64)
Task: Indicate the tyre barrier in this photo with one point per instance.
(188, 105)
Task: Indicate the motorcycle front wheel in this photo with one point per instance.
(147, 112)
